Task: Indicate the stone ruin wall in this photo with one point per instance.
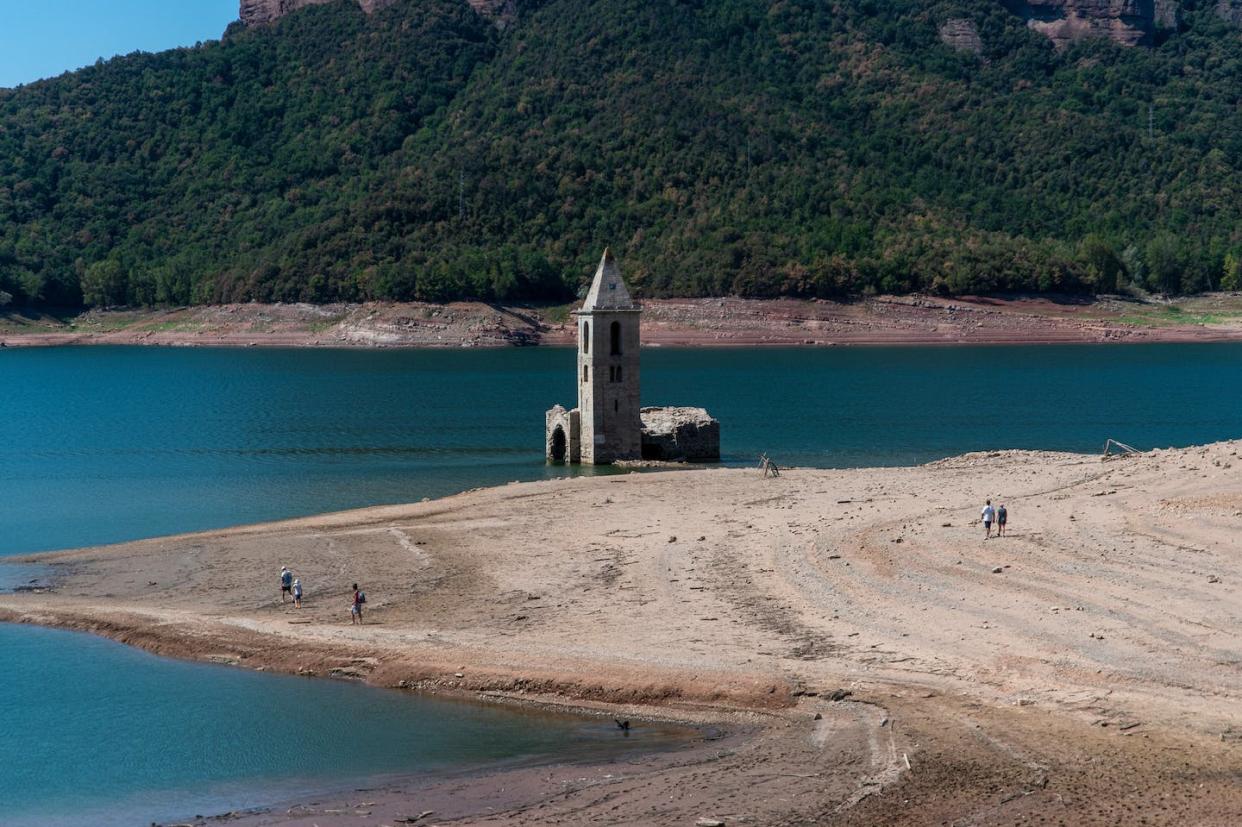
(675, 434)
(569, 423)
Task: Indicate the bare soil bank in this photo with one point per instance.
(705, 322)
(1085, 669)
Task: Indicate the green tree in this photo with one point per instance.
(1231, 278)
(1164, 267)
(1134, 264)
(1103, 265)
(104, 284)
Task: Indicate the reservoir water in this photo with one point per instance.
(107, 444)
(95, 733)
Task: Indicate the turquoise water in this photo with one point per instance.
(95, 733)
(107, 444)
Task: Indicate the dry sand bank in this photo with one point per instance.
(1086, 669)
(704, 322)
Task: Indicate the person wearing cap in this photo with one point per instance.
(286, 583)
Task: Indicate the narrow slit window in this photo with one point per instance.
(616, 338)
(618, 373)
(586, 374)
(616, 405)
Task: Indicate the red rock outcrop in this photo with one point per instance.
(494, 8)
(262, 12)
(1128, 22)
(1230, 11)
(961, 34)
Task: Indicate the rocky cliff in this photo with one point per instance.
(961, 34)
(1128, 22)
(262, 12)
(1230, 11)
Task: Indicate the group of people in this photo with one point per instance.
(291, 586)
(998, 515)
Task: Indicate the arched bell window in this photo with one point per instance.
(616, 338)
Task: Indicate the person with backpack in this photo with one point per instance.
(355, 611)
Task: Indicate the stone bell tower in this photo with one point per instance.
(610, 424)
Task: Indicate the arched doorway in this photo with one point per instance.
(558, 444)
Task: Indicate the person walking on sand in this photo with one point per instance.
(355, 611)
(1001, 517)
(988, 514)
(286, 583)
(297, 593)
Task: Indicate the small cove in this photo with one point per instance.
(93, 732)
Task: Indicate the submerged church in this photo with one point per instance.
(609, 423)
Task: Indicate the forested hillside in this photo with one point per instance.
(751, 147)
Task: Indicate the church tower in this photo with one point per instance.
(610, 426)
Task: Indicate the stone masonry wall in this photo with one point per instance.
(672, 434)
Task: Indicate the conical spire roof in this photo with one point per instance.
(608, 290)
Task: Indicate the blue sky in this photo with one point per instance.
(43, 38)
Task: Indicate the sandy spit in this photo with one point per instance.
(870, 658)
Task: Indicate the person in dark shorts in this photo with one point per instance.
(286, 583)
(988, 515)
(355, 610)
(1002, 516)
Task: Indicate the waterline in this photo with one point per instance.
(93, 732)
(105, 444)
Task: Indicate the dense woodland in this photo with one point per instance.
(751, 147)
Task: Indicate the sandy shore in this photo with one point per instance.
(892, 320)
(1086, 669)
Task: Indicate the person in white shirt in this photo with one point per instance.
(989, 514)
